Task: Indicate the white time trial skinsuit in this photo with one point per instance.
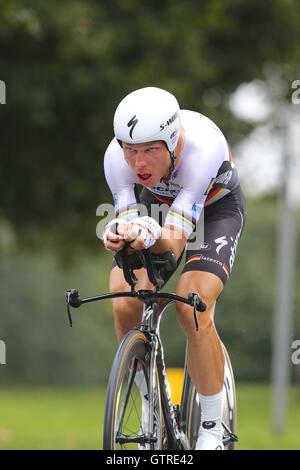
(204, 177)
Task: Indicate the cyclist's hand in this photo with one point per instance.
(142, 233)
(113, 235)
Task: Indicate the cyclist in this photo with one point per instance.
(179, 158)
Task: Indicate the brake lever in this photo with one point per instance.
(69, 315)
(195, 314)
(194, 300)
(72, 298)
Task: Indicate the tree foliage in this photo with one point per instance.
(66, 65)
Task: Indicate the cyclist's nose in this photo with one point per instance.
(140, 160)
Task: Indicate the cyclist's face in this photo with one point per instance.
(150, 161)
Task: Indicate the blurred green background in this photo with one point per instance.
(66, 65)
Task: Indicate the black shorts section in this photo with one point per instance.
(223, 225)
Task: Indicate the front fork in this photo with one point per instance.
(176, 438)
(152, 387)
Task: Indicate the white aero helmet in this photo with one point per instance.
(148, 114)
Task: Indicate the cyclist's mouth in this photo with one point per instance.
(144, 178)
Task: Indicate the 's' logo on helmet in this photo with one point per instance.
(132, 123)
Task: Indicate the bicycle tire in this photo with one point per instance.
(229, 400)
(122, 390)
(192, 408)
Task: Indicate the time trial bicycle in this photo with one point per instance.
(128, 424)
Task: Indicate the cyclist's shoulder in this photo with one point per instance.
(203, 138)
(113, 150)
(194, 120)
(113, 156)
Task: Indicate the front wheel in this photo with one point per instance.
(126, 424)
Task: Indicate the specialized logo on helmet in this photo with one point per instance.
(169, 121)
(132, 123)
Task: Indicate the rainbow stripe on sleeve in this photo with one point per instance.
(181, 219)
(127, 212)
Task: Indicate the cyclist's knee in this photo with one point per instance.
(127, 311)
(117, 281)
(127, 315)
(126, 307)
(205, 319)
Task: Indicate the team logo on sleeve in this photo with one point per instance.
(196, 208)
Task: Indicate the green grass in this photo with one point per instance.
(44, 418)
(255, 419)
(53, 418)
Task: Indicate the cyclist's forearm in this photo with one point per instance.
(170, 240)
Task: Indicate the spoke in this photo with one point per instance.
(127, 394)
(133, 398)
(131, 408)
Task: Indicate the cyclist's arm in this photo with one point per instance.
(172, 239)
